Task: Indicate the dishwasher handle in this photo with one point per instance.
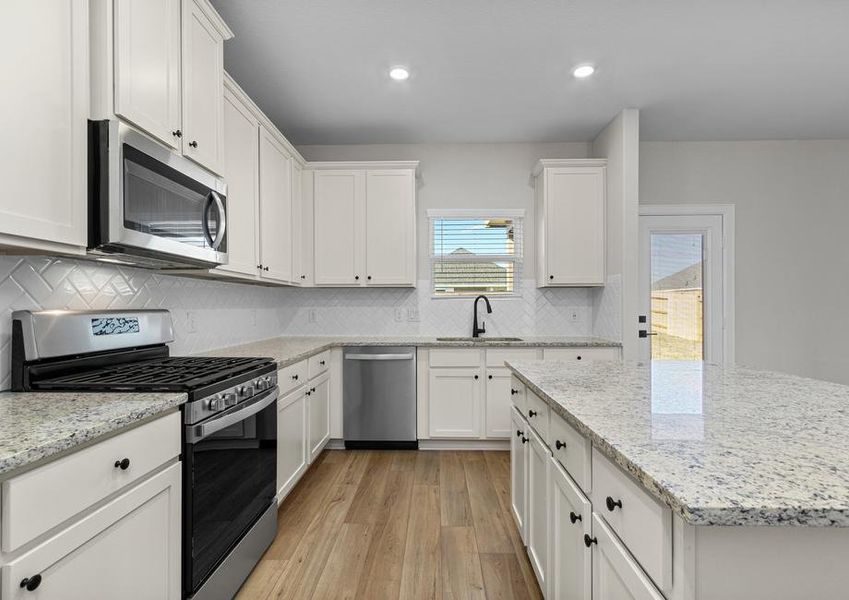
(405, 356)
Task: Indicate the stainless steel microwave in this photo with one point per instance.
(152, 207)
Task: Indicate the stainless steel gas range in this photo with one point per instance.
(229, 451)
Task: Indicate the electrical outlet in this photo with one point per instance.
(399, 315)
(412, 314)
(312, 316)
(574, 316)
(191, 322)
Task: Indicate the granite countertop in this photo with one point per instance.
(721, 446)
(39, 425)
(289, 350)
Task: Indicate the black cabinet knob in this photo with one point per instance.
(612, 504)
(177, 133)
(122, 464)
(489, 376)
(589, 541)
(308, 393)
(518, 433)
(579, 357)
(193, 144)
(551, 276)
(295, 377)
(476, 377)
(321, 362)
(265, 268)
(357, 277)
(369, 277)
(513, 392)
(524, 440)
(312, 389)
(259, 267)
(558, 444)
(532, 413)
(303, 276)
(31, 583)
(575, 517)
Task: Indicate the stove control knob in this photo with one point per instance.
(216, 403)
(245, 391)
(261, 384)
(230, 399)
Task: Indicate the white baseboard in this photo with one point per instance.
(338, 444)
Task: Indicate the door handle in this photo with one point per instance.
(643, 333)
(378, 357)
(213, 197)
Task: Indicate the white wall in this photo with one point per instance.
(792, 248)
(616, 302)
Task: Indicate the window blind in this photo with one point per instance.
(475, 254)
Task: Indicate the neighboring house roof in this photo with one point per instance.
(689, 278)
(467, 274)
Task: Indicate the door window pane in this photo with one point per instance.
(677, 305)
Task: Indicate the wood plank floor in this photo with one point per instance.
(397, 525)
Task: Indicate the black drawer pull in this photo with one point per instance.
(524, 440)
(312, 390)
(575, 518)
(589, 541)
(519, 433)
(612, 504)
(532, 413)
(31, 583)
(321, 362)
(558, 444)
(295, 377)
(513, 392)
(122, 464)
(193, 144)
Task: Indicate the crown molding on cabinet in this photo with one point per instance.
(364, 165)
(546, 163)
(215, 19)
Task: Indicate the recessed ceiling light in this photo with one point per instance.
(399, 73)
(582, 71)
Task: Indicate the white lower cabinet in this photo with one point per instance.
(318, 401)
(129, 548)
(538, 474)
(570, 519)
(616, 575)
(454, 398)
(498, 403)
(291, 440)
(519, 473)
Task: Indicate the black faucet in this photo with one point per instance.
(476, 331)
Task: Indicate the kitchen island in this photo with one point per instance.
(703, 482)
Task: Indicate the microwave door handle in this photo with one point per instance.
(222, 220)
(240, 412)
(204, 220)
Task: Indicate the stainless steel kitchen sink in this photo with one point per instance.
(478, 339)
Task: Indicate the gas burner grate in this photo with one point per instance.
(172, 374)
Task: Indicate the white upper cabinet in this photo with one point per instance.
(241, 171)
(390, 227)
(203, 79)
(338, 210)
(364, 224)
(299, 270)
(147, 66)
(570, 203)
(275, 208)
(43, 119)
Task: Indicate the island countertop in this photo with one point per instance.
(719, 445)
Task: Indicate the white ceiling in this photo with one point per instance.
(499, 70)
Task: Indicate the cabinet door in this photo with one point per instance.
(570, 517)
(147, 66)
(203, 82)
(538, 458)
(519, 472)
(241, 170)
(498, 403)
(390, 232)
(616, 575)
(574, 226)
(275, 209)
(129, 548)
(291, 441)
(318, 398)
(338, 227)
(454, 398)
(43, 119)
(298, 270)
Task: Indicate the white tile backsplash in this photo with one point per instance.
(213, 314)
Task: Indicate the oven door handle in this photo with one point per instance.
(240, 412)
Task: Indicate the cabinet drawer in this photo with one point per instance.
(643, 523)
(518, 396)
(318, 364)
(455, 357)
(568, 354)
(34, 504)
(537, 414)
(288, 378)
(572, 450)
(497, 356)
(615, 573)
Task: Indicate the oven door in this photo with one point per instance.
(154, 203)
(230, 480)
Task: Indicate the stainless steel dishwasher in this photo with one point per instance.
(379, 398)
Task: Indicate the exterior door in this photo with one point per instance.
(681, 288)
